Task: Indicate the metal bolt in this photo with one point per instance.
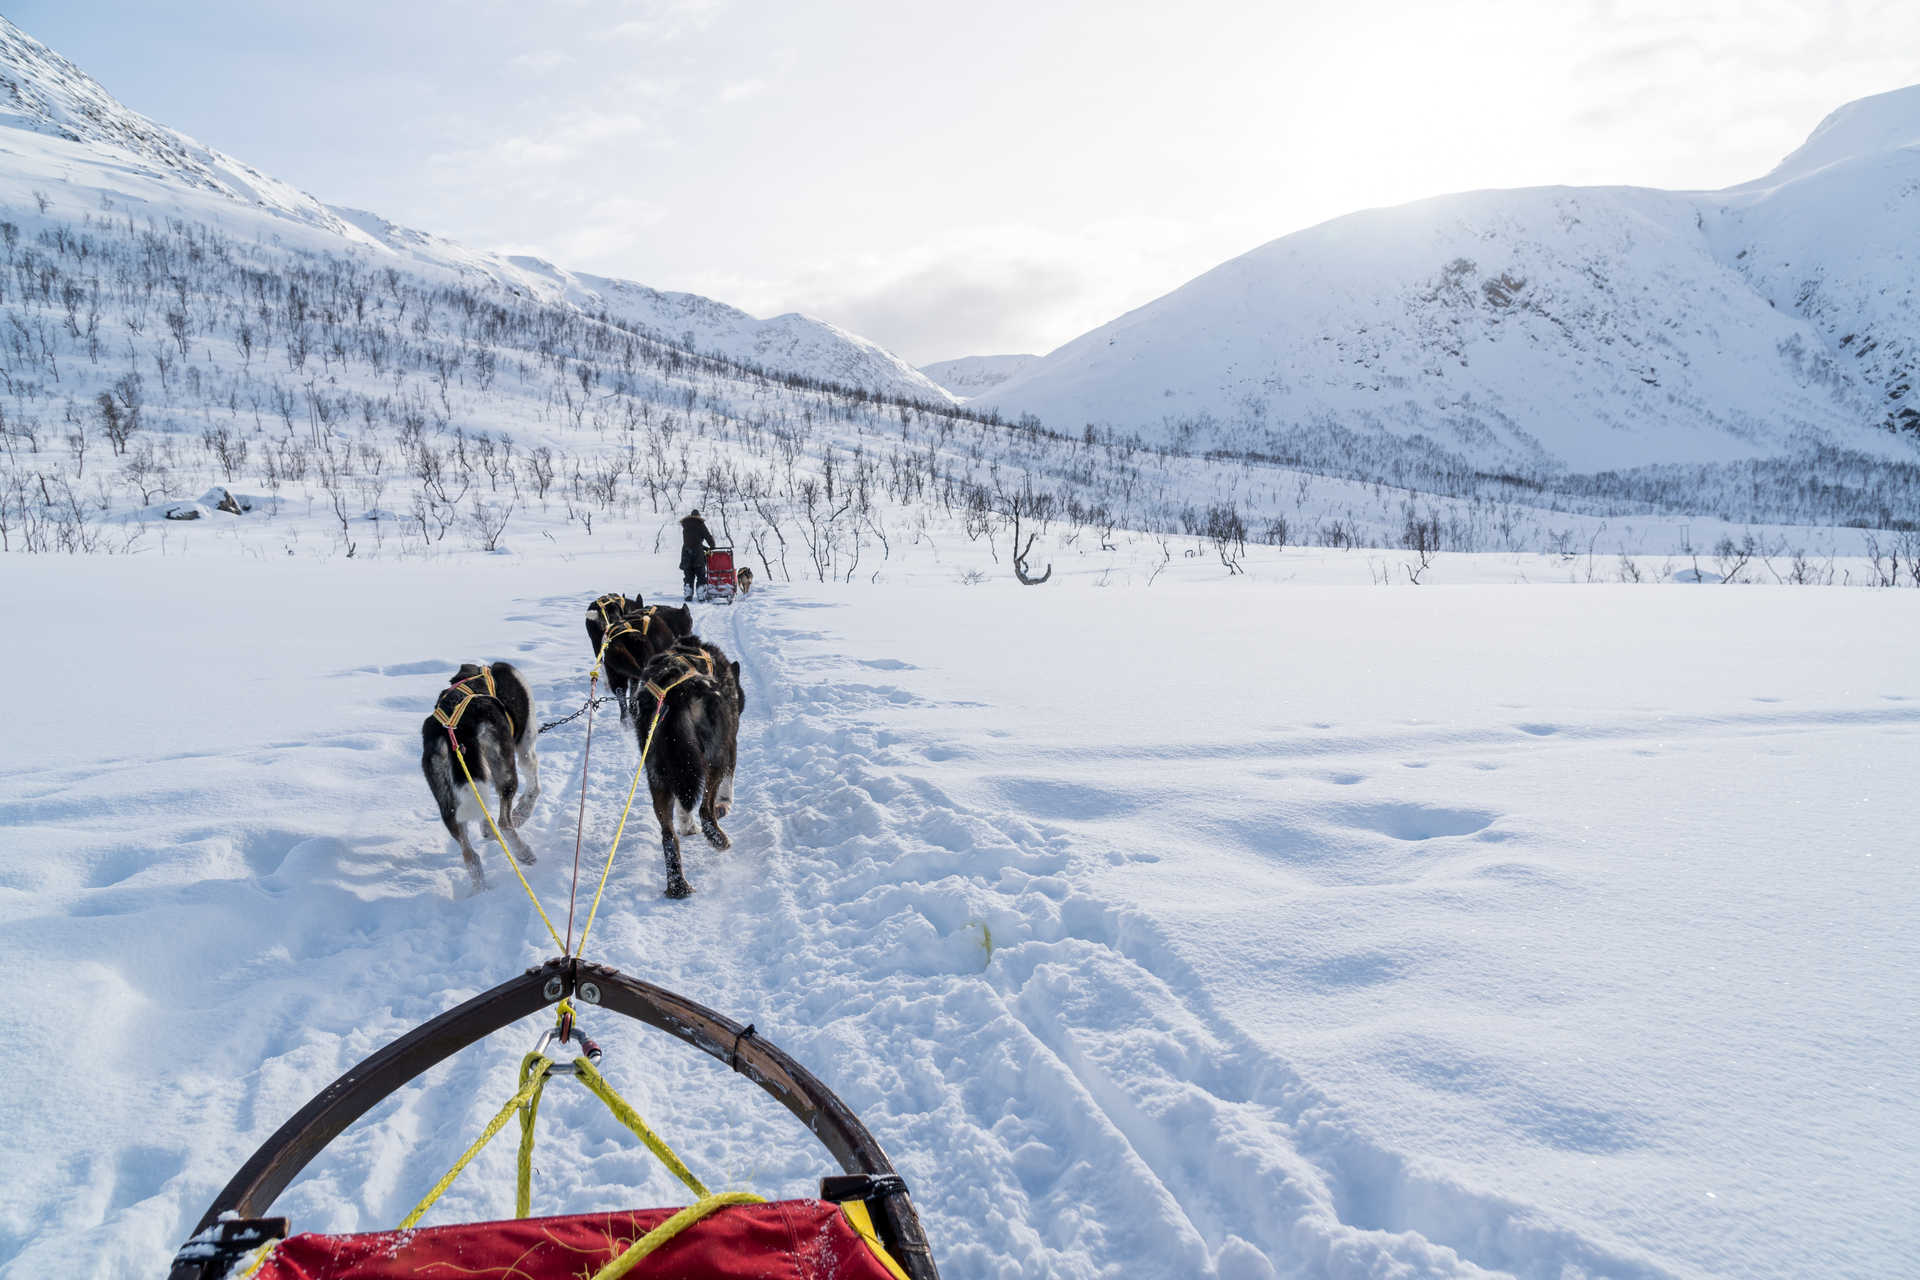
(555, 988)
(590, 992)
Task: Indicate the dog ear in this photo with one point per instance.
(736, 673)
(638, 603)
(467, 671)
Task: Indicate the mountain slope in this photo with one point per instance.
(972, 375)
(59, 127)
(1829, 236)
(1584, 327)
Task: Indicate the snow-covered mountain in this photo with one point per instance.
(85, 141)
(972, 375)
(1593, 327)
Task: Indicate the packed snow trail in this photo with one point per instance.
(1296, 983)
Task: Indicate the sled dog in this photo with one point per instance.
(488, 712)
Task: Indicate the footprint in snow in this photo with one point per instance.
(428, 667)
(1413, 822)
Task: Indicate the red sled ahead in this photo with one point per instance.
(721, 582)
(862, 1227)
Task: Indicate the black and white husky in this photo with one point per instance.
(489, 712)
(690, 764)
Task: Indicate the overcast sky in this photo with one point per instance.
(962, 179)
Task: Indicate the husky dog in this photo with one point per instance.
(696, 694)
(745, 579)
(606, 611)
(488, 711)
(633, 639)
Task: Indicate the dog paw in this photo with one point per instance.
(715, 836)
(679, 888)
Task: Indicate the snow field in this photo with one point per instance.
(1234, 929)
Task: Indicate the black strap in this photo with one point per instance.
(215, 1251)
(733, 1055)
(842, 1187)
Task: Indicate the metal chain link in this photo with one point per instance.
(554, 724)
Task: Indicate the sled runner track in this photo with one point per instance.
(1067, 1085)
(1193, 1151)
(1522, 735)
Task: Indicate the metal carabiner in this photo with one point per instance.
(588, 1048)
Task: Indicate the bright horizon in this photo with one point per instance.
(965, 181)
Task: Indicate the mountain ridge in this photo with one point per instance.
(48, 95)
(1585, 327)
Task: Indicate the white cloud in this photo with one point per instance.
(541, 60)
(992, 289)
(573, 137)
(741, 90)
(663, 20)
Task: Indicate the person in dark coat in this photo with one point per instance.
(695, 538)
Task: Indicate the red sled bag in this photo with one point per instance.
(721, 583)
(791, 1239)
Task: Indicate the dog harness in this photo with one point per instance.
(456, 697)
(625, 627)
(611, 607)
(692, 662)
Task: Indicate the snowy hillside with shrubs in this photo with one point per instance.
(974, 375)
(171, 321)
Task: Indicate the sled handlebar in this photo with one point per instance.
(252, 1190)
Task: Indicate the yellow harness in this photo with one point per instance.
(611, 607)
(624, 627)
(456, 697)
(697, 663)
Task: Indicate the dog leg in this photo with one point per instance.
(474, 870)
(508, 831)
(713, 807)
(677, 886)
(530, 773)
(505, 776)
(437, 763)
(519, 846)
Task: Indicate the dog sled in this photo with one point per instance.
(721, 585)
(862, 1226)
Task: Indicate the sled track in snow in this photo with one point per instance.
(1067, 1102)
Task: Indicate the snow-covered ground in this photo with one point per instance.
(1218, 927)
